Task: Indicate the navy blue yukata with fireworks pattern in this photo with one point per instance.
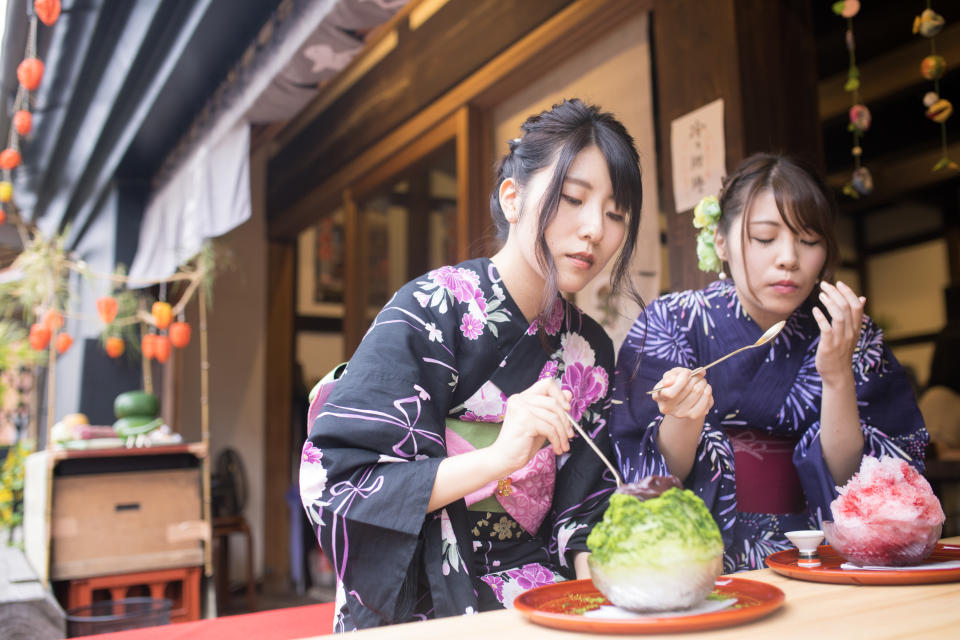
(774, 389)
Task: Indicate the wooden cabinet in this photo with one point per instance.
(89, 513)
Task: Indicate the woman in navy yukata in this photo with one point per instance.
(425, 472)
(765, 437)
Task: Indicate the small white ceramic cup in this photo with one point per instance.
(806, 543)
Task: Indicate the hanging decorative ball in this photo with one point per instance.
(63, 342)
(929, 98)
(862, 181)
(147, 343)
(932, 67)
(39, 336)
(47, 10)
(940, 110)
(3, 216)
(857, 151)
(23, 122)
(161, 348)
(53, 319)
(6, 191)
(30, 73)
(9, 159)
(179, 334)
(115, 346)
(928, 23)
(107, 309)
(162, 314)
(860, 118)
(846, 8)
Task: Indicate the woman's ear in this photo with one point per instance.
(720, 242)
(510, 200)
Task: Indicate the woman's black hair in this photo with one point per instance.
(803, 199)
(560, 133)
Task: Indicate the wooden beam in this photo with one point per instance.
(281, 265)
(415, 67)
(896, 174)
(568, 27)
(887, 74)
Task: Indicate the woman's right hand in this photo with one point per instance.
(532, 417)
(684, 395)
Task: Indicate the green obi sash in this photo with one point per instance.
(479, 435)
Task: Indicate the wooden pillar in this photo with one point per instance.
(759, 56)
(280, 355)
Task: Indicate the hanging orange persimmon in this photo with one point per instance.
(30, 73)
(47, 10)
(161, 348)
(162, 314)
(62, 342)
(180, 334)
(3, 216)
(23, 122)
(39, 336)
(147, 345)
(9, 159)
(6, 191)
(53, 319)
(107, 309)
(115, 346)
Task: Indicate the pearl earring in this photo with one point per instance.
(722, 275)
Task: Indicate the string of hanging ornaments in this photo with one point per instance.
(38, 284)
(861, 181)
(928, 24)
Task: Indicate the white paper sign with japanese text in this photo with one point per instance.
(698, 150)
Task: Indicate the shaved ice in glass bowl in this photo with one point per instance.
(886, 515)
(657, 547)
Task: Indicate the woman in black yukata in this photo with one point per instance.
(425, 473)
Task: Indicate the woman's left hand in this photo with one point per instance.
(840, 334)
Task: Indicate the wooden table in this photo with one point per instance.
(812, 611)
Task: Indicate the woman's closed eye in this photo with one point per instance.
(809, 242)
(616, 216)
(571, 200)
(762, 240)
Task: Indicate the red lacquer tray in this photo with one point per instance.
(785, 562)
(546, 605)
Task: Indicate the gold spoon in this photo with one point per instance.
(767, 336)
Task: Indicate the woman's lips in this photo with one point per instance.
(785, 286)
(581, 260)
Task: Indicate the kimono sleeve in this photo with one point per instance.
(584, 484)
(889, 418)
(368, 467)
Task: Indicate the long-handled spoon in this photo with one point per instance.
(596, 449)
(767, 336)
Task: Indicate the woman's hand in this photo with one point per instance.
(839, 335)
(684, 395)
(533, 417)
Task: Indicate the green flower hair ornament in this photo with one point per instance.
(705, 217)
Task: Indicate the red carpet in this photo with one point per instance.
(278, 624)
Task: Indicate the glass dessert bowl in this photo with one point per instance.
(889, 544)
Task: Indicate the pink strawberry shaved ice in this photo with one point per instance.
(887, 489)
(887, 514)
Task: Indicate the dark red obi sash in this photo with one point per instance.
(767, 481)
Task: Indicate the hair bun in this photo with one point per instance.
(514, 143)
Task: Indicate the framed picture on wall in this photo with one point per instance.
(321, 268)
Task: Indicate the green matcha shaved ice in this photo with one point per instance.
(658, 554)
(656, 531)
